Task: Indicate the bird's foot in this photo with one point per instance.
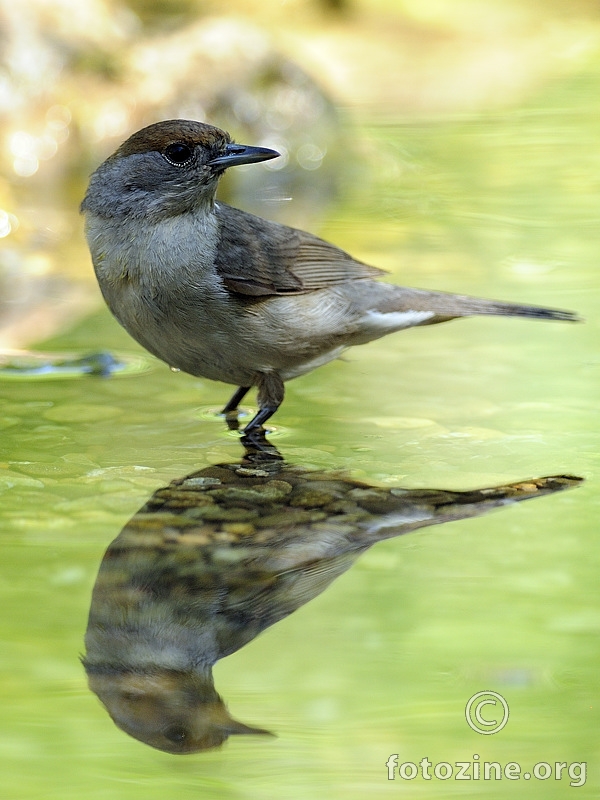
(232, 420)
(258, 448)
(264, 413)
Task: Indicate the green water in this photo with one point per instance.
(384, 662)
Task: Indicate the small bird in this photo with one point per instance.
(223, 294)
(218, 556)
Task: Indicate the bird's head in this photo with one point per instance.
(178, 712)
(166, 169)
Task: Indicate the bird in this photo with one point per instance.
(218, 556)
(219, 293)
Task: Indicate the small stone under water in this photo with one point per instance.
(33, 365)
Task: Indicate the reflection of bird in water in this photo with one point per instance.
(215, 558)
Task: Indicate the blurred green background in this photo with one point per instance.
(456, 144)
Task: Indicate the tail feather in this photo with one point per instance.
(446, 306)
(490, 307)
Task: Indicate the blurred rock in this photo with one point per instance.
(77, 79)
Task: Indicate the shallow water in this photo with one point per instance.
(383, 662)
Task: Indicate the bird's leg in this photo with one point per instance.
(265, 413)
(237, 398)
(231, 409)
(259, 451)
(270, 397)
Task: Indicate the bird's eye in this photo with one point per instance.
(176, 734)
(178, 154)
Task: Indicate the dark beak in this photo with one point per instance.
(236, 154)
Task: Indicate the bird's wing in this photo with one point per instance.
(256, 257)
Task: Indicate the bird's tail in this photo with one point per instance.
(418, 508)
(443, 306)
(473, 305)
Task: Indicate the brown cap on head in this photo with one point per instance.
(159, 135)
(177, 712)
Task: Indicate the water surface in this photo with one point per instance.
(501, 205)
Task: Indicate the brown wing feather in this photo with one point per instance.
(256, 257)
